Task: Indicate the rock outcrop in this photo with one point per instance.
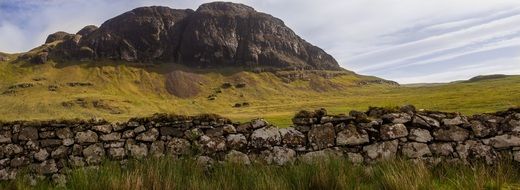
(216, 34)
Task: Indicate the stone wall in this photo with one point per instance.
(50, 147)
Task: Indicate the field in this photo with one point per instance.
(117, 91)
(333, 174)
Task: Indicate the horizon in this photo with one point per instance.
(394, 40)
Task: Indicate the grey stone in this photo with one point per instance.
(389, 132)
(265, 137)
(178, 146)
(47, 134)
(229, 129)
(352, 136)
(236, 141)
(41, 155)
(397, 118)
(420, 135)
(86, 137)
(60, 152)
(425, 122)
(148, 136)
(504, 141)
(139, 129)
(103, 128)
(94, 154)
(137, 150)
(382, 150)
(51, 142)
(68, 142)
(441, 149)
(116, 153)
(110, 137)
(481, 130)
(237, 157)
(292, 137)
(64, 133)
(320, 156)
(451, 133)
(47, 167)
(157, 148)
(212, 145)
(458, 120)
(416, 150)
(128, 134)
(28, 133)
(5, 137)
(322, 136)
(355, 158)
(279, 156)
(259, 123)
(172, 131)
(11, 149)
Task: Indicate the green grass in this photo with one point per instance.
(168, 173)
(121, 91)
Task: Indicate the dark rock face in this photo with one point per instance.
(216, 34)
(56, 36)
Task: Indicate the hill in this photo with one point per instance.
(215, 35)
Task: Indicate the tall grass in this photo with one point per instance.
(168, 173)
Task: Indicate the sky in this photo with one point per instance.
(408, 41)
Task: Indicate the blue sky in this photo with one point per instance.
(408, 41)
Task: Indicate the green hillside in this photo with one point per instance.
(117, 91)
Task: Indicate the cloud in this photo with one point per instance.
(396, 39)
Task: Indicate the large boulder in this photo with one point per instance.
(56, 37)
(292, 137)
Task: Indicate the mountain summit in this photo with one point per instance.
(216, 34)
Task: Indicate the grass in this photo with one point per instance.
(164, 173)
(121, 91)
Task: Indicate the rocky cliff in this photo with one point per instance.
(50, 147)
(216, 34)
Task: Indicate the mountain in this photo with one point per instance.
(215, 35)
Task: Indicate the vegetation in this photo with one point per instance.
(333, 174)
(117, 91)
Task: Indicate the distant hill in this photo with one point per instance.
(487, 77)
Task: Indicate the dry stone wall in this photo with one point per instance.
(51, 147)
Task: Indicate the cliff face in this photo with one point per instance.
(216, 34)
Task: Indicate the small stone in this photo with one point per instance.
(420, 135)
(352, 136)
(236, 141)
(64, 133)
(355, 158)
(451, 133)
(128, 134)
(416, 150)
(504, 141)
(229, 129)
(279, 156)
(397, 118)
(41, 155)
(259, 123)
(60, 152)
(137, 151)
(389, 132)
(441, 149)
(51, 142)
(86, 137)
(382, 150)
(157, 148)
(320, 156)
(139, 129)
(292, 137)
(28, 133)
(103, 128)
(458, 120)
(425, 122)
(265, 137)
(322, 136)
(5, 137)
(116, 153)
(47, 167)
(68, 142)
(148, 136)
(110, 137)
(212, 145)
(237, 157)
(93, 154)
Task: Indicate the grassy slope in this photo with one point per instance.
(120, 92)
